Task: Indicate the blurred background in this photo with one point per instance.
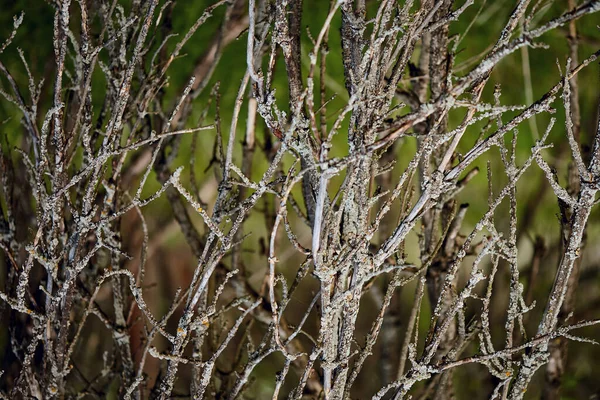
(523, 77)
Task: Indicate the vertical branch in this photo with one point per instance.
(557, 362)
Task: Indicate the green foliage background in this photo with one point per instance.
(35, 39)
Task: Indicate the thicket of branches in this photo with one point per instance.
(330, 253)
